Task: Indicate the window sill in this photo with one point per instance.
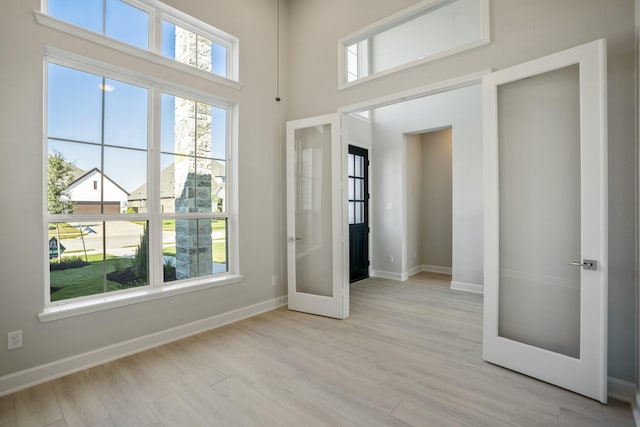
(56, 24)
(137, 296)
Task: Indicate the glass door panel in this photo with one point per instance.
(539, 163)
(313, 205)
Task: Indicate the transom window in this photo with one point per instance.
(426, 31)
(155, 27)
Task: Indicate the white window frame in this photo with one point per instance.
(156, 287)
(398, 19)
(158, 12)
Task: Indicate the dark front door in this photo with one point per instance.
(358, 213)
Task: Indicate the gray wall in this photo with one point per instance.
(436, 195)
(429, 194)
(413, 173)
(520, 30)
(261, 166)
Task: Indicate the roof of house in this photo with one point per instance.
(85, 175)
(167, 178)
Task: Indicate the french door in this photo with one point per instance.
(545, 162)
(316, 267)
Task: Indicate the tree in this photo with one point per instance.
(59, 177)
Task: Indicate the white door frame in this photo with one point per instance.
(395, 98)
(588, 374)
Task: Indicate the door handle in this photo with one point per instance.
(293, 239)
(587, 264)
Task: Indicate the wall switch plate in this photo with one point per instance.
(14, 340)
(390, 259)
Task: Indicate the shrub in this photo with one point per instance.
(70, 262)
(141, 258)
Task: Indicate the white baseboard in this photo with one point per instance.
(436, 269)
(29, 377)
(414, 270)
(467, 287)
(621, 390)
(635, 408)
(387, 275)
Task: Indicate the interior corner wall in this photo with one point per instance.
(437, 192)
(462, 110)
(413, 175)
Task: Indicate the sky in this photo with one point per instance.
(75, 100)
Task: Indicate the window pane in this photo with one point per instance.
(352, 212)
(74, 104)
(351, 185)
(218, 59)
(84, 13)
(194, 50)
(71, 171)
(210, 186)
(127, 254)
(194, 248)
(80, 265)
(220, 250)
(125, 114)
(127, 23)
(168, 40)
(178, 183)
(351, 164)
(218, 133)
(125, 174)
(193, 146)
(89, 178)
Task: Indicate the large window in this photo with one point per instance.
(151, 26)
(138, 190)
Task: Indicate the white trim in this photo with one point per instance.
(418, 92)
(148, 55)
(387, 275)
(37, 375)
(436, 269)
(115, 299)
(621, 390)
(635, 408)
(414, 270)
(473, 288)
(398, 19)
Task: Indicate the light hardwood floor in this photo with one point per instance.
(410, 354)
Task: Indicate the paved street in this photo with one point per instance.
(122, 239)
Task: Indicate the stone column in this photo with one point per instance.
(192, 183)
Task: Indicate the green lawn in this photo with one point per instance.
(170, 224)
(88, 280)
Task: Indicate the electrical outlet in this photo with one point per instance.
(14, 340)
(274, 280)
